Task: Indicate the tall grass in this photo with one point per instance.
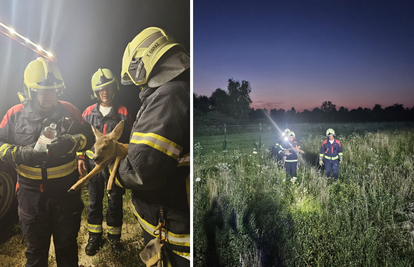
(248, 213)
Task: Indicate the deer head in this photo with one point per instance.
(105, 145)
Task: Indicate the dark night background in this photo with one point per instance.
(83, 36)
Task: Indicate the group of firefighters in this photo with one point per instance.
(156, 168)
(330, 154)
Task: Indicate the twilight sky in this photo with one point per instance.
(301, 53)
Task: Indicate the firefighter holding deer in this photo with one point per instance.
(104, 116)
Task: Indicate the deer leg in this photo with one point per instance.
(112, 176)
(97, 169)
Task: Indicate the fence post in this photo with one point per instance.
(225, 141)
(260, 136)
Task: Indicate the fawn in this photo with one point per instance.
(107, 148)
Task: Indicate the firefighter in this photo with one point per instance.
(290, 152)
(104, 116)
(157, 167)
(330, 154)
(282, 139)
(43, 178)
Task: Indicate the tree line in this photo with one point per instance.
(232, 106)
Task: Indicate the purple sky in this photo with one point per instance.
(301, 53)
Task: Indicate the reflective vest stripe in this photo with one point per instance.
(291, 160)
(331, 158)
(114, 230)
(184, 161)
(175, 239)
(340, 153)
(185, 255)
(90, 154)
(95, 228)
(52, 173)
(158, 142)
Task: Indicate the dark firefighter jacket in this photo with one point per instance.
(283, 146)
(330, 151)
(105, 124)
(22, 126)
(158, 163)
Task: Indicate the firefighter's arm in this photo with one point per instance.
(157, 141)
(79, 137)
(15, 154)
(321, 154)
(340, 154)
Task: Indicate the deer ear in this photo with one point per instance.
(96, 132)
(117, 132)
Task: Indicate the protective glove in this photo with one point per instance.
(66, 144)
(340, 159)
(320, 162)
(28, 156)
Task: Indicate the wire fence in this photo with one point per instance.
(304, 128)
(236, 136)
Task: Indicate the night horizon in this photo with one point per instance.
(300, 55)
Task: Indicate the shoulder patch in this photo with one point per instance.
(88, 110)
(13, 110)
(72, 110)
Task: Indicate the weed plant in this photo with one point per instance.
(247, 212)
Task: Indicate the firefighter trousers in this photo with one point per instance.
(331, 166)
(114, 215)
(291, 168)
(43, 214)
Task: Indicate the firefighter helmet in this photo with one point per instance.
(102, 79)
(143, 52)
(330, 132)
(41, 74)
(292, 134)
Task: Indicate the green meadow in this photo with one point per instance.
(247, 212)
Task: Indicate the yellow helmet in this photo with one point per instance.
(41, 74)
(286, 132)
(101, 79)
(330, 132)
(143, 52)
(292, 134)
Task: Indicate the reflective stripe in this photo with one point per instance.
(114, 230)
(80, 153)
(3, 149)
(82, 142)
(175, 239)
(158, 142)
(331, 158)
(291, 160)
(55, 172)
(90, 154)
(321, 155)
(95, 228)
(184, 161)
(185, 255)
(340, 153)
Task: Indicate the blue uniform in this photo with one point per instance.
(291, 160)
(331, 153)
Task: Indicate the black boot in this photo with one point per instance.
(93, 246)
(116, 246)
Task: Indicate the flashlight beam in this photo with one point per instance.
(10, 32)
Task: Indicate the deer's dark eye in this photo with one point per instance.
(105, 148)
